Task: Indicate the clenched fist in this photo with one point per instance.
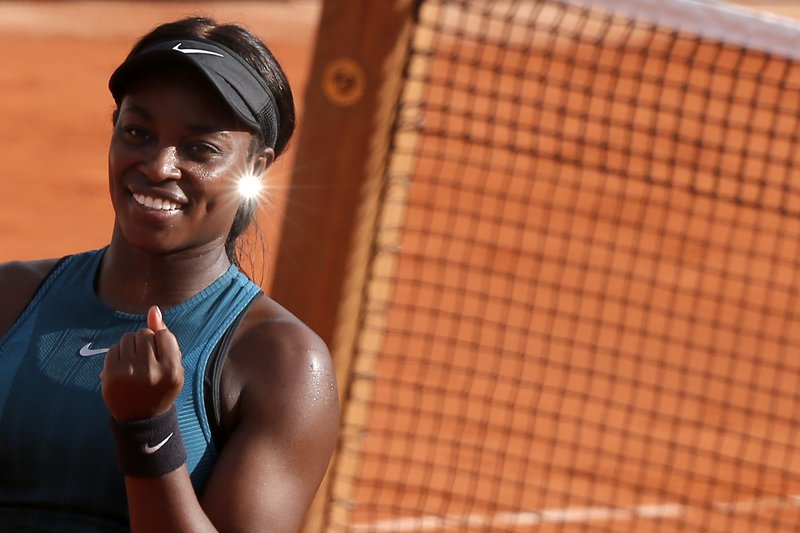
(143, 374)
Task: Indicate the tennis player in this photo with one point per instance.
(150, 385)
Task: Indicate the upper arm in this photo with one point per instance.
(288, 418)
(18, 283)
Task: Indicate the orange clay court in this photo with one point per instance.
(444, 458)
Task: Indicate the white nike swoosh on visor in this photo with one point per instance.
(153, 449)
(178, 48)
(87, 351)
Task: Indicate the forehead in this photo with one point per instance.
(179, 94)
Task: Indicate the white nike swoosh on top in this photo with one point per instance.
(178, 48)
(153, 449)
(87, 351)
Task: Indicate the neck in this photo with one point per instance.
(131, 280)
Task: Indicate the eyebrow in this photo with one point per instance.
(139, 110)
(202, 128)
(195, 128)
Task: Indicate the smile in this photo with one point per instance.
(158, 204)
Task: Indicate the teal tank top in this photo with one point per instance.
(58, 467)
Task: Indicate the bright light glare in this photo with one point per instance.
(250, 186)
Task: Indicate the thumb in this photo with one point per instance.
(155, 320)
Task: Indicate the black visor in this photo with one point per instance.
(242, 88)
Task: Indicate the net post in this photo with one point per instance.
(349, 106)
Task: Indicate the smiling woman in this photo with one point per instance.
(223, 406)
(174, 161)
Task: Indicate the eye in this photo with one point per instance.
(136, 133)
(202, 149)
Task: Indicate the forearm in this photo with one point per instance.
(141, 378)
(165, 504)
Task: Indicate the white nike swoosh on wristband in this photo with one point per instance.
(87, 351)
(178, 48)
(153, 449)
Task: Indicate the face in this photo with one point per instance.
(175, 157)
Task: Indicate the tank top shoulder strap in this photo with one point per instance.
(213, 377)
(41, 288)
(51, 273)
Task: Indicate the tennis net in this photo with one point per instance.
(582, 307)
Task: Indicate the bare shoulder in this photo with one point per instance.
(277, 361)
(18, 283)
(281, 411)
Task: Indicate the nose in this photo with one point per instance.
(163, 165)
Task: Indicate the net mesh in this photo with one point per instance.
(582, 306)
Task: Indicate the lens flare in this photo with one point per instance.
(250, 186)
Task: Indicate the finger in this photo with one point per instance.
(145, 349)
(127, 347)
(167, 346)
(155, 320)
(168, 353)
(112, 358)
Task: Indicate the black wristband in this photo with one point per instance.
(149, 447)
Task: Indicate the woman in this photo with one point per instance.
(223, 406)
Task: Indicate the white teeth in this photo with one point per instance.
(155, 203)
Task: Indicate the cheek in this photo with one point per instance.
(220, 184)
(119, 157)
(220, 198)
(113, 173)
